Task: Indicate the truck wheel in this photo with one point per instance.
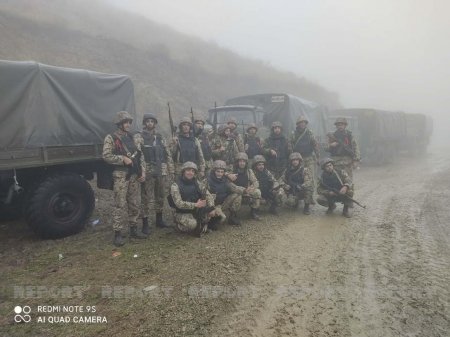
(60, 206)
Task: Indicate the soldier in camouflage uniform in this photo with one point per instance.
(246, 184)
(252, 143)
(343, 147)
(224, 146)
(268, 185)
(226, 199)
(333, 186)
(185, 147)
(232, 123)
(121, 150)
(304, 142)
(192, 202)
(297, 182)
(204, 140)
(277, 150)
(159, 164)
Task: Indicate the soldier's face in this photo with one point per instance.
(125, 126)
(242, 163)
(189, 173)
(252, 131)
(277, 130)
(227, 132)
(232, 126)
(301, 125)
(219, 173)
(199, 125)
(150, 124)
(260, 167)
(340, 126)
(329, 167)
(185, 128)
(295, 162)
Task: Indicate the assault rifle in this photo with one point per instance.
(135, 167)
(344, 195)
(173, 128)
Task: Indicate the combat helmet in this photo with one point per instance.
(189, 165)
(185, 120)
(199, 119)
(325, 161)
(121, 117)
(276, 124)
(149, 116)
(232, 120)
(242, 156)
(219, 165)
(302, 119)
(341, 120)
(294, 156)
(222, 129)
(258, 159)
(252, 126)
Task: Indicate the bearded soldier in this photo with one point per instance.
(124, 152)
(185, 147)
(343, 147)
(232, 123)
(268, 185)
(276, 150)
(224, 146)
(297, 182)
(334, 186)
(253, 146)
(204, 140)
(159, 164)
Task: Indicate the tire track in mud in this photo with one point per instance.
(385, 272)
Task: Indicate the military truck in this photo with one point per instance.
(419, 128)
(52, 124)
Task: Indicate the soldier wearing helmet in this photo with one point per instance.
(253, 146)
(246, 184)
(122, 150)
(334, 185)
(191, 201)
(159, 165)
(304, 142)
(232, 123)
(185, 147)
(276, 150)
(268, 185)
(297, 182)
(205, 142)
(224, 146)
(343, 147)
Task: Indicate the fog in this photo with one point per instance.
(385, 54)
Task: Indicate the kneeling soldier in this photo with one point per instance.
(269, 187)
(334, 186)
(297, 182)
(246, 183)
(193, 204)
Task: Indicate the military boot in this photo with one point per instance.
(306, 209)
(331, 207)
(213, 223)
(233, 220)
(346, 212)
(273, 209)
(254, 214)
(145, 226)
(160, 221)
(135, 234)
(118, 239)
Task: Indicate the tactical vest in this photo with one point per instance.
(254, 147)
(303, 143)
(343, 138)
(331, 180)
(153, 150)
(294, 176)
(206, 148)
(265, 183)
(189, 191)
(218, 187)
(187, 149)
(242, 178)
(279, 144)
(124, 144)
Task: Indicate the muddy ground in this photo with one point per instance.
(385, 272)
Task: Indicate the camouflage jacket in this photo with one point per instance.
(340, 150)
(341, 176)
(304, 143)
(110, 156)
(231, 149)
(175, 150)
(252, 182)
(286, 182)
(239, 140)
(186, 205)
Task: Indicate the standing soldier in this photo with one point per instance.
(276, 150)
(304, 142)
(185, 147)
(343, 147)
(232, 123)
(193, 204)
(122, 151)
(246, 183)
(297, 182)
(334, 186)
(268, 185)
(253, 146)
(203, 138)
(224, 146)
(158, 163)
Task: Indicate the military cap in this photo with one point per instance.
(121, 117)
(277, 124)
(302, 119)
(258, 159)
(252, 126)
(189, 165)
(342, 120)
(242, 156)
(295, 155)
(325, 161)
(219, 165)
(149, 116)
(185, 120)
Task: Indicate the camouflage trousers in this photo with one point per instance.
(271, 196)
(186, 222)
(232, 203)
(292, 200)
(311, 165)
(253, 199)
(326, 201)
(153, 192)
(344, 163)
(126, 200)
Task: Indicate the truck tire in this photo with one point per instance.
(60, 206)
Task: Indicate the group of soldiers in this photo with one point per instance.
(211, 173)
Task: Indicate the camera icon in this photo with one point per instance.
(22, 314)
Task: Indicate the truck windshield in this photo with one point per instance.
(241, 115)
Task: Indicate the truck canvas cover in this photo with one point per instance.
(47, 106)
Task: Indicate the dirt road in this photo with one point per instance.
(385, 272)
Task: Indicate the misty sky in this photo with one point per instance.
(389, 54)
